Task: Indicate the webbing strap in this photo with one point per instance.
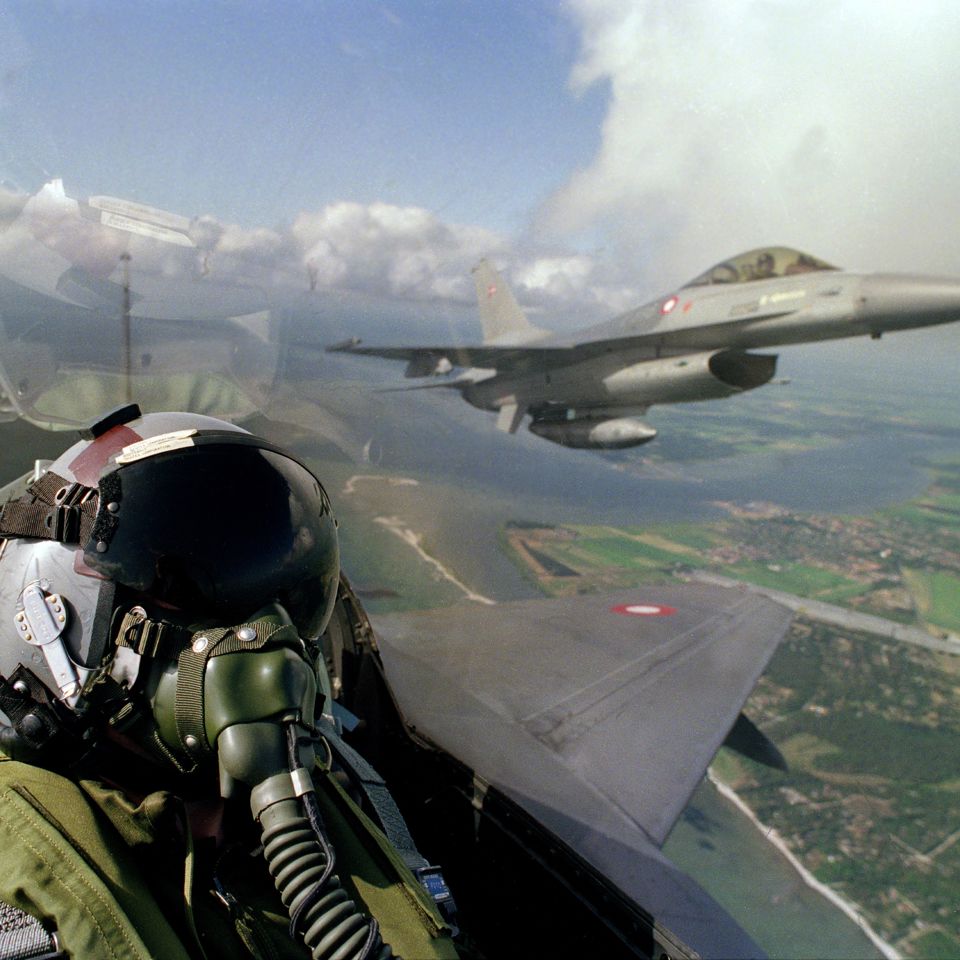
(53, 508)
(192, 662)
(145, 636)
(374, 788)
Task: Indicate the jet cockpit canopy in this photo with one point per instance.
(761, 264)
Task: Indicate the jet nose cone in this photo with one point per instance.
(899, 301)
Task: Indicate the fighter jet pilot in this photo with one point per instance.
(166, 782)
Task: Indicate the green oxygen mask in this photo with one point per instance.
(227, 678)
(247, 697)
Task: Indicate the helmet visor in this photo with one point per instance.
(218, 530)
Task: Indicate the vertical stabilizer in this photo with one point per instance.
(500, 314)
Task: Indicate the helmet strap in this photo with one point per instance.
(53, 508)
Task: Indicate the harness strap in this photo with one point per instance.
(192, 662)
(53, 508)
(395, 828)
(374, 788)
(145, 636)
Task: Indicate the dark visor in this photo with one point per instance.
(219, 529)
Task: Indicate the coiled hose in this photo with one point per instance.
(301, 861)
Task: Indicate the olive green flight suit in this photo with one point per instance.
(123, 881)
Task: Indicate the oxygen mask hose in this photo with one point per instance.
(301, 861)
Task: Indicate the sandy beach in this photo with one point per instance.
(848, 908)
(398, 527)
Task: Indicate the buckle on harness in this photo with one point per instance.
(431, 879)
(63, 521)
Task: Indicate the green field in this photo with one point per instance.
(621, 552)
(921, 514)
(687, 535)
(798, 578)
(938, 597)
(936, 945)
(804, 751)
(865, 743)
(948, 501)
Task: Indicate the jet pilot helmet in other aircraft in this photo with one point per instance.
(148, 529)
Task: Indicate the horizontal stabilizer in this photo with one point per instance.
(449, 383)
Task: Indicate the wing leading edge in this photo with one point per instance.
(598, 721)
(512, 358)
(518, 359)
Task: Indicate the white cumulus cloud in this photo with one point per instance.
(392, 250)
(830, 126)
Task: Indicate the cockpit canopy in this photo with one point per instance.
(761, 264)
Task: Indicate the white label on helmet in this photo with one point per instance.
(154, 445)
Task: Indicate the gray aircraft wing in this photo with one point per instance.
(562, 351)
(705, 336)
(598, 715)
(512, 358)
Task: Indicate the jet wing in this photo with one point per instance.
(561, 351)
(704, 336)
(514, 359)
(598, 715)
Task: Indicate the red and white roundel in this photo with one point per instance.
(643, 610)
(669, 304)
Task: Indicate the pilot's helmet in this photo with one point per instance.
(766, 264)
(189, 519)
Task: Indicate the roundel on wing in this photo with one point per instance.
(643, 610)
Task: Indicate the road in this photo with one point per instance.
(840, 616)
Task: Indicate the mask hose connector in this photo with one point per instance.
(301, 861)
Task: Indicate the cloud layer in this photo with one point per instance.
(829, 126)
(73, 248)
(823, 125)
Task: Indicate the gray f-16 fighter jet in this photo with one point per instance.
(588, 389)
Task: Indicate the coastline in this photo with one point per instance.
(845, 906)
(406, 532)
(397, 526)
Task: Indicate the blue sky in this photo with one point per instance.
(255, 111)
(600, 150)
